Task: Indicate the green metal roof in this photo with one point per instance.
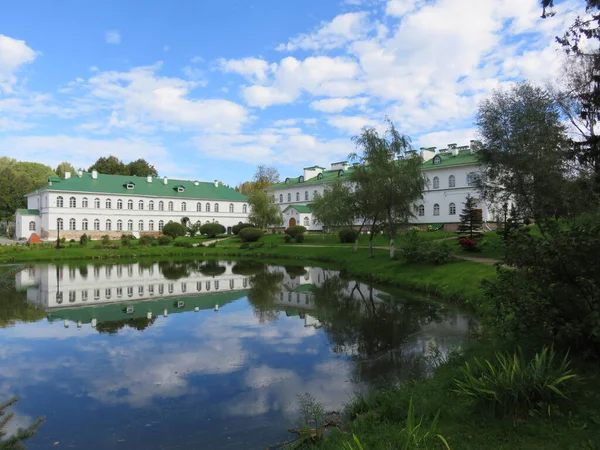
(327, 175)
(303, 209)
(305, 288)
(117, 184)
(28, 212)
(447, 159)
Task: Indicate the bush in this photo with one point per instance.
(295, 231)
(84, 239)
(250, 234)
(414, 249)
(184, 244)
(245, 246)
(173, 229)
(194, 229)
(125, 240)
(299, 239)
(468, 245)
(287, 238)
(212, 229)
(240, 226)
(440, 253)
(165, 240)
(347, 235)
(105, 240)
(146, 239)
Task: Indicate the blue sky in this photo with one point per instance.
(211, 89)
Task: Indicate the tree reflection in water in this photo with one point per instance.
(113, 326)
(264, 291)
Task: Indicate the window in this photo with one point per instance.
(306, 221)
(216, 285)
(297, 196)
(452, 208)
(436, 183)
(245, 209)
(161, 224)
(208, 285)
(151, 225)
(119, 204)
(199, 207)
(84, 202)
(161, 206)
(97, 203)
(184, 287)
(151, 289)
(183, 206)
(59, 202)
(32, 226)
(231, 207)
(108, 203)
(72, 202)
(107, 293)
(72, 296)
(84, 224)
(199, 286)
(141, 204)
(119, 225)
(72, 224)
(130, 185)
(437, 160)
(170, 206)
(97, 225)
(436, 210)
(451, 181)
(289, 197)
(140, 290)
(151, 205)
(130, 225)
(314, 194)
(84, 296)
(421, 210)
(108, 225)
(130, 291)
(141, 225)
(96, 294)
(119, 292)
(129, 204)
(207, 208)
(306, 195)
(216, 207)
(471, 178)
(280, 198)
(171, 287)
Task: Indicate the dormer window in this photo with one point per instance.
(130, 186)
(341, 173)
(301, 179)
(180, 189)
(320, 176)
(437, 160)
(287, 181)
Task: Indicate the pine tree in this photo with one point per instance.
(470, 219)
(14, 442)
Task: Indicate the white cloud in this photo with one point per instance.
(334, 105)
(441, 139)
(290, 122)
(398, 8)
(14, 54)
(112, 37)
(254, 69)
(352, 124)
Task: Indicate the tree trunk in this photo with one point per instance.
(392, 248)
(355, 249)
(371, 246)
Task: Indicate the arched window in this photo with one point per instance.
(108, 225)
(207, 207)
(289, 197)
(306, 222)
(72, 202)
(32, 226)
(119, 225)
(59, 224)
(141, 225)
(170, 206)
(130, 225)
(436, 183)
(216, 207)
(421, 210)
(231, 207)
(84, 224)
(297, 196)
(199, 207)
(84, 202)
(151, 205)
(129, 204)
(119, 204)
(436, 210)
(245, 209)
(306, 195)
(452, 208)
(471, 178)
(451, 181)
(183, 206)
(141, 204)
(314, 194)
(161, 206)
(97, 225)
(151, 225)
(59, 202)
(72, 224)
(161, 224)
(97, 203)
(280, 198)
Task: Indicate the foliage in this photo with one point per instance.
(14, 442)
(250, 234)
(468, 245)
(164, 240)
(264, 177)
(63, 167)
(335, 207)
(84, 239)
(125, 240)
(145, 240)
(194, 229)
(510, 384)
(470, 219)
(240, 226)
(312, 418)
(212, 229)
(263, 211)
(299, 239)
(287, 238)
(184, 244)
(112, 165)
(347, 235)
(295, 230)
(173, 229)
(414, 249)
(105, 240)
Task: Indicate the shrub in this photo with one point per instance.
(468, 245)
(347, 235)
(245, 246)
(510, 383)
(165, 240)
(105, 240)
(146, 239)
(125, 240)
(240, 226)
(414, 249)
(212, 229)
(440, 253)
(194, 229)
(250, 234)
(299, 239)
(184, 244)
(173, 229)
(84, 239)
(295, 231)
(287, 238)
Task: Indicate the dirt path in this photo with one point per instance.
(489, 261)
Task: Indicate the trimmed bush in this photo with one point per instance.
(84, 240)
(299, 239)
(174, 229)
(240, 226)
(146, 239)
(212, 229)
(125, 240)
(295, 231)
(347, 235)
(250, 234)
(165, 240)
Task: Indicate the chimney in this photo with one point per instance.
(165, 180)
(67, 175)
(149, 178)
(94, 174)
(475, 146)
(196, 183)
(427, 154)
(80, 173)
(216, 183)
(452, 148)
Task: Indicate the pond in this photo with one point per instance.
(201, 354)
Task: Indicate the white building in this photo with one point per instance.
(451, 175)
(99, 204)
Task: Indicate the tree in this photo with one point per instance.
(63, 167)
(14, 442)
(264, 177)
(263, 211)
(470, 218)
(524, 151)
(110, 165)
(173, 229)
(388, 180)
(141, 168)
(335, 207)
(212, 229)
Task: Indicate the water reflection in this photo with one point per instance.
(196, 378)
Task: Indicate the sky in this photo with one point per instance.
(211, 89)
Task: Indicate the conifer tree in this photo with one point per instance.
(14, 442)
(470, 219)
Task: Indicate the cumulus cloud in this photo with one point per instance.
(14, 54)
(112, 37)
(334, 105)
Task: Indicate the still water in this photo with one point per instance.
(201, 354)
